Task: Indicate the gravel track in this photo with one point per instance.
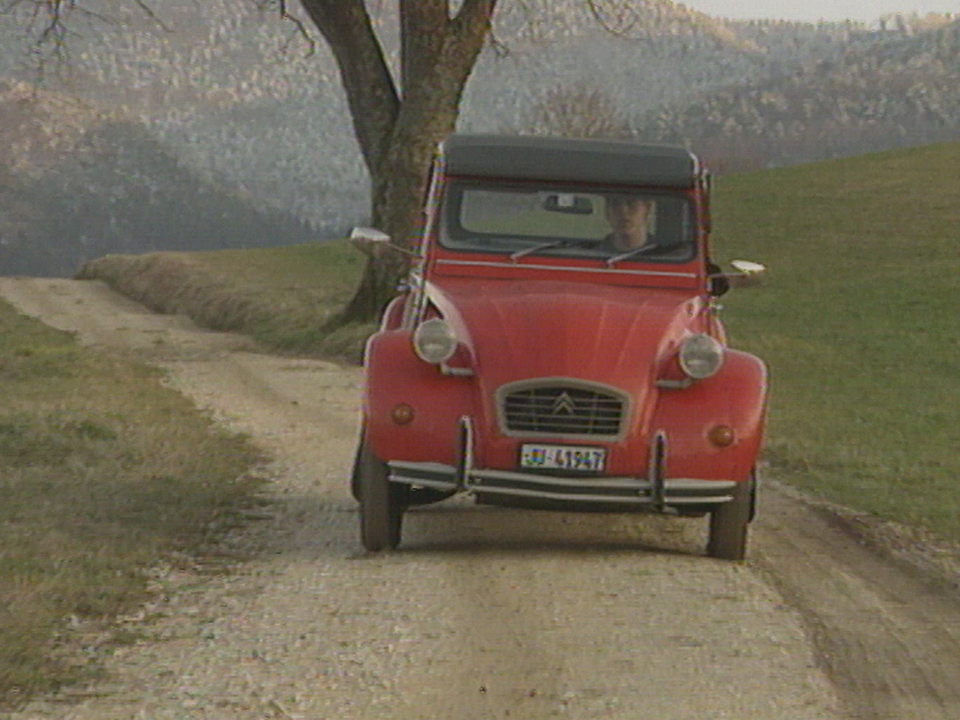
(486, 612)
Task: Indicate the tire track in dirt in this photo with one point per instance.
(887, 634)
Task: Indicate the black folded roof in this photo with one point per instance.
(566, 159)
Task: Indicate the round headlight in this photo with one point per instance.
(701, 356)
(434, 341)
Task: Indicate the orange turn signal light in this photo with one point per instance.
(722, 436)
(402, 414)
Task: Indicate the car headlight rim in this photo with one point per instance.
(434, 341)
(701, 356)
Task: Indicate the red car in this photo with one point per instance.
(559, 347)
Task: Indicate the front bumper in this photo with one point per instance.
(654, 492)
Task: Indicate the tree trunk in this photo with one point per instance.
(398, 135)
(398, 194)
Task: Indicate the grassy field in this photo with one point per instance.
(858, 320)
(96, 488)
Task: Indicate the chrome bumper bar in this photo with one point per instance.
(654, 490)
(626, 490)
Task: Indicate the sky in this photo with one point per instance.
(813, 10)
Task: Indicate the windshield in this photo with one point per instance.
(524, 220)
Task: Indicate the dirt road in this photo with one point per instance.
(489, 613)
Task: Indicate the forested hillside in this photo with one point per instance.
(77, 183)
(899, 90)
(233, 108)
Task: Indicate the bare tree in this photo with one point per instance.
(398, 118)
(579, 111)
(399, 124)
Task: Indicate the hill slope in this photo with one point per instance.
(77, 182)
(896, 91)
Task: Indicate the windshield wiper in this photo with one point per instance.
(611, 261)
(546, 246)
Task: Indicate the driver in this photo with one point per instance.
(630, 217)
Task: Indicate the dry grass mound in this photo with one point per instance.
(285, 298)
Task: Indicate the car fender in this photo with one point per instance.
(393, 314)
(736, 397)
(396, 376)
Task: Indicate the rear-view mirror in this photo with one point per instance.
(568, 203)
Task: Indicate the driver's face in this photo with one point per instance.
(628, 217)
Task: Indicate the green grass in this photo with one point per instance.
(104, 473)
(857, 319)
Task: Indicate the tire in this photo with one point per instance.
(729, 522)
(355, 490)
(381, 502)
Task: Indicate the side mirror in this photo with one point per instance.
(748, 268)
(372, 242)
(748, 273)
(368, 235)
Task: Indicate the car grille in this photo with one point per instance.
(562, 410)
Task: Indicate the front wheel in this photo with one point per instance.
(381, 502)
(728, 524)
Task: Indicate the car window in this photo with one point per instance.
(568, 222)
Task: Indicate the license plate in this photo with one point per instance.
(563, 457)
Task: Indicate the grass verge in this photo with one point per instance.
(104, 473)
(858, 322)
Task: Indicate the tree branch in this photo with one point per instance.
(471, 28)
(619, 22)
(48, 23)
(148, 11)
(371, 92)
(423, 30)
